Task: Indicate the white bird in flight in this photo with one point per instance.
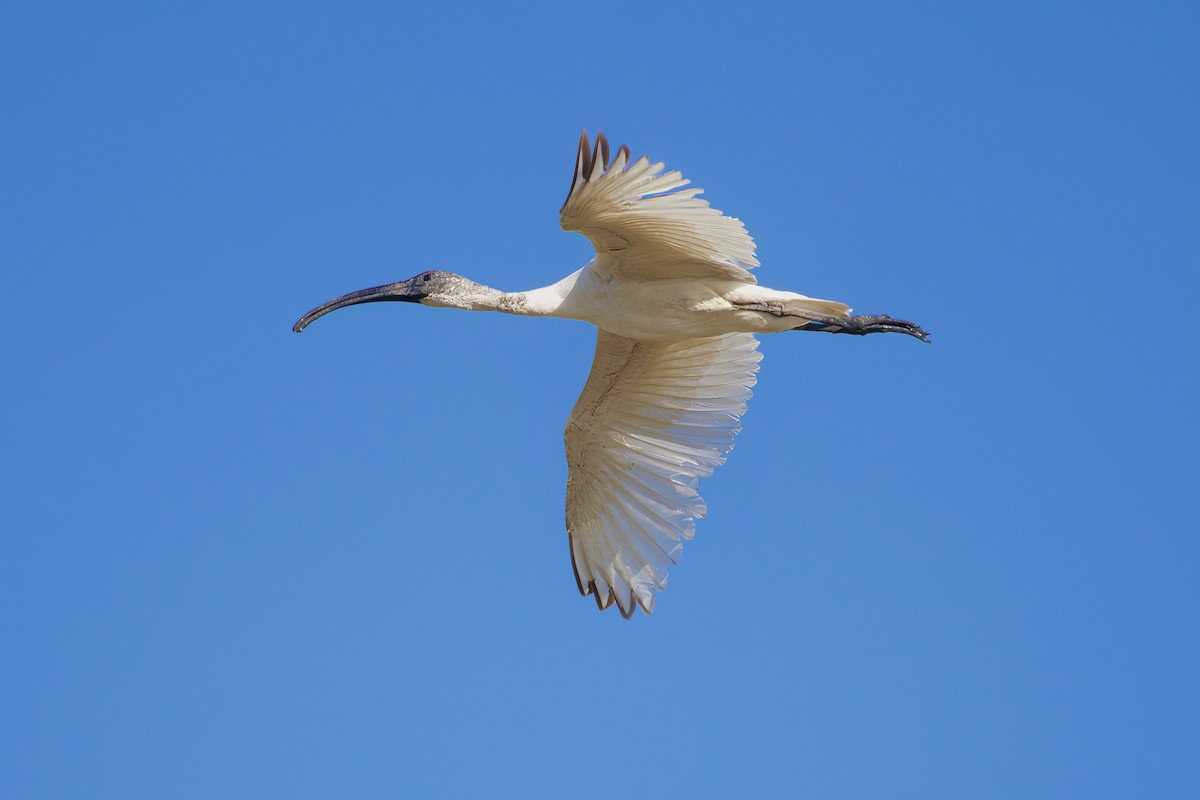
(677, 309)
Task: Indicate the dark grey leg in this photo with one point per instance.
(859, 325)
(862, 324)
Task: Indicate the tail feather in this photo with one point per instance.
(825, 308)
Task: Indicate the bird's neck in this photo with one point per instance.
(548, 301)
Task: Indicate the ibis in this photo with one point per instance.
(677, 309)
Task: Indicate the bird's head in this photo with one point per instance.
(432, 288)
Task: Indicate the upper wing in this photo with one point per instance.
(644, 224)
(653, 419)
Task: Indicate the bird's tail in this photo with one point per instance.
(801, 306)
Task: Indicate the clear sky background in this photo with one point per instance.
(241, 563)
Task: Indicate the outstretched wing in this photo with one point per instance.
(644, 224)
(653, 419)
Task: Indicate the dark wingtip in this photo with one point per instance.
(583, 162)
(589, 158)
(583, 157)
(602, 602)
(601, 151)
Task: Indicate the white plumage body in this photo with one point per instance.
(669, 309)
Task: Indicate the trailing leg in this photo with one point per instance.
(862, 324)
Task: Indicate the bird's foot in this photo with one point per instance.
(862, 324)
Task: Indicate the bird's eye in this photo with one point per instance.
(427, 279)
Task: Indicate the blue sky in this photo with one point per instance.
(239, 562)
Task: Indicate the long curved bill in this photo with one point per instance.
(404, 292)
